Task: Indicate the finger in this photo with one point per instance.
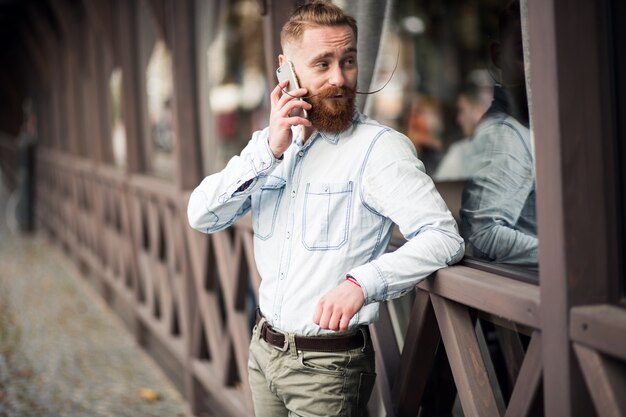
(289, 107)
(318, 314)
(333, 323)
(345, 322)
(326, 314)
(297, 120)
(291, 95)
(275, 95)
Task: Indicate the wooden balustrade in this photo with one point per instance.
(196, 295)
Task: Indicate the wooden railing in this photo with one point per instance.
(195, 295)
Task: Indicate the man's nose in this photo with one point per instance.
(337, 78)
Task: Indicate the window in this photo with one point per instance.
(233, 81)
(118, 131)
(457, 89)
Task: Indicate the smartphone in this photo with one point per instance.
(286, 72)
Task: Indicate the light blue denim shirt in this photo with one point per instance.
(327, 210)
(498, 216)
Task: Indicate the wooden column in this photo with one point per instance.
(71, 68)
(125, 16)
(572, 139)
(188, 150)
(99, 16)
(47, 37)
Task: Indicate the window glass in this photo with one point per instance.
(237, 80)
(118, 130)
(457, 89)
(160, 116)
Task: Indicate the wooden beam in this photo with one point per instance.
(527, 382)
(601, 327)
(468, 368)
(387, 356)
(606, 381)
(417, 356)
(514, 300)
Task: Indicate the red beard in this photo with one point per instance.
(329, 114)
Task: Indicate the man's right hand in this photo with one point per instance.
(280, 136)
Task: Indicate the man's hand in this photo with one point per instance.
(280, 121)
(338, 306)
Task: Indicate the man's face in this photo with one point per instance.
(468, 114)
(325, 64)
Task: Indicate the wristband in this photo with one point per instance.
(353, 280)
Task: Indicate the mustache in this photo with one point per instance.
(335, 91)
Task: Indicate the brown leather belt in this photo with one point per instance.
(339, 343)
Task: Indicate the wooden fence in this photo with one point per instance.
(194, 296)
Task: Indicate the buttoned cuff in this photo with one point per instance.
(262, 163)
(262, 159)
(372, 282)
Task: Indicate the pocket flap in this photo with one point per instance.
(274, 183)
(329, 187)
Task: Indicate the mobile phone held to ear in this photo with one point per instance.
(286, 72)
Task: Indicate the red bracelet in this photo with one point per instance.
(352, 280)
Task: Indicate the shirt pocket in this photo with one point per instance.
(326, 217)
(265, 207)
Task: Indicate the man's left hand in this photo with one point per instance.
(338, 306)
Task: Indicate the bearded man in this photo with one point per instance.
(324, 192)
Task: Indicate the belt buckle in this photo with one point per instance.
(285, 345)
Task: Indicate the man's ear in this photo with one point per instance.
(495, 49)
(281, 59)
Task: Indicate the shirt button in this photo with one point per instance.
(282, 275)
(293, 193)
(301, 153)
(275, 316)
(288, 235)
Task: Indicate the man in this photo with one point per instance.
(324, 193)
(472, 103)
(498, 215)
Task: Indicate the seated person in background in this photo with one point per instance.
(498, 217)
(472, 103)
(425, 125)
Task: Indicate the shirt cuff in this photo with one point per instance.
(263, 160)
(372, 282)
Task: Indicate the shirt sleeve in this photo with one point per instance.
(495, 196)
(224, 197)
(395, 186)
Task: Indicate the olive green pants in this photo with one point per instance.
(306, 384)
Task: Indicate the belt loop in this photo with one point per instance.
(363, 330)
(259, 326)
(292, 345)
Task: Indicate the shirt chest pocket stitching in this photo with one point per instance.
(326, 215)
(265, 208)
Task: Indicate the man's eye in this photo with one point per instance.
(322, 65)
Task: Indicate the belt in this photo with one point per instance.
(339, 343)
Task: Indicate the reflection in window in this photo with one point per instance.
(237, 81)
(159, 100)
(118, 131)
(449, 57)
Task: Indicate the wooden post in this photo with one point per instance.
(188, 150)
(577, 241)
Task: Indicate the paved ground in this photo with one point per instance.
(63, 352)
